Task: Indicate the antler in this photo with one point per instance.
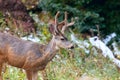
(56, 22)
(61, 26)
(64, 24)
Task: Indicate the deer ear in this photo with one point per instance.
(51, 28)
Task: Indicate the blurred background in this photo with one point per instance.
(92, 18)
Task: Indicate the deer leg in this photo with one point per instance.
(4, 67)
(1, 70)
(35, 75)
(32, 75)
(44, 75)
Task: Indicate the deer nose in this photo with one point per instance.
(72, 47)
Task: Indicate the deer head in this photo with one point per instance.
(57, 30)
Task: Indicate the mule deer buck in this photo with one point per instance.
(31, 56)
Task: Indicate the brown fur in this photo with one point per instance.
(28, 55)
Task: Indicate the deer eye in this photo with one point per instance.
(62, 39)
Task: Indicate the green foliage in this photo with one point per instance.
(110, 11)
(2, 22)
(13, 73)
(86, 19)
(88, 13)
(61, 68)
(105, 13)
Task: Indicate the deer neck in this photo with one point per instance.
(51, 47)
(50, 50)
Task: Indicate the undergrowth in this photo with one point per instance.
(66, 68)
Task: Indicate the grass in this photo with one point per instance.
(65, 68)
(13, 73)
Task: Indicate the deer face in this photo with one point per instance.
(62, 42)
(57, 31)
(59, 39)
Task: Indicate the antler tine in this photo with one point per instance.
(56, 21)
(65, 19)
(56, 16)
(66, 23)
(63, 22)
(71, 23)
